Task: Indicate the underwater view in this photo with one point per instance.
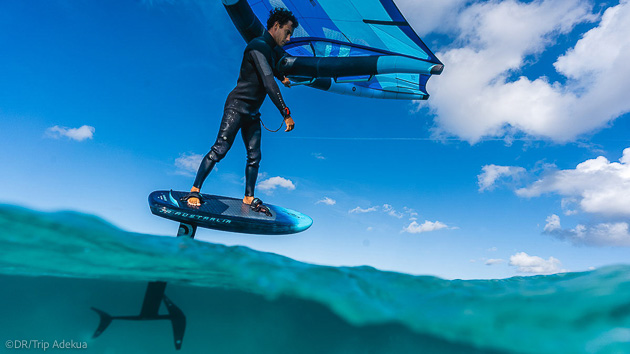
(57, 266)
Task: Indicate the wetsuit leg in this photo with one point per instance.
(230, 124)
(251, 134)
(207, 164)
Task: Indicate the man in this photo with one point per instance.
(255, 81)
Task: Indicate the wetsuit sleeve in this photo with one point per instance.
(266, 73)
(276, 73)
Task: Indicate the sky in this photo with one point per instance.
(518, 164)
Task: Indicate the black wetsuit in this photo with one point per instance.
(255, 81)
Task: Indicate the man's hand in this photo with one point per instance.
(290, 124)
(286, 82)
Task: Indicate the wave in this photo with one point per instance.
(562, 313)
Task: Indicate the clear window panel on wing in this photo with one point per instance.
(304, 50)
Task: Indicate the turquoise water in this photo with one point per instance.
(55, 266)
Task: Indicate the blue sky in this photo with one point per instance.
(514, 166)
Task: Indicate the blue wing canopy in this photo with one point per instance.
(357, 47)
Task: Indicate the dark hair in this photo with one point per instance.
(282, 16)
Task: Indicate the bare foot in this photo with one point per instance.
(248, 200)
(194, 202)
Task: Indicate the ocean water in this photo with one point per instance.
(55, 266)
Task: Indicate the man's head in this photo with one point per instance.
(281, 24)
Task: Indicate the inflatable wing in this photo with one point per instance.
(356, 47)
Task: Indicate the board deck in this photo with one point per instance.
(227, 214)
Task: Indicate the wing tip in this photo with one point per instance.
(437, 69)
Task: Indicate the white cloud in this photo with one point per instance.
(609, 40)
(410, 211)
(361, 210)
(596, 185)
(78, 134)
(188, 163)
(491, 173)
(494, 261)
(427, 226)
(270, 184)
(413, 215)
(603, 234)
(327, 201)
(414, 227)
(492, 249)
(553, 223)
(567, 206)
(388, 209)
(534, 264)
(318, 156)
(391, 211)
(497, 39)
(261, 175)
(427, 16)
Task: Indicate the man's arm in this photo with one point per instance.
(266, 73)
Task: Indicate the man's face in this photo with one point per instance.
(282, 34)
